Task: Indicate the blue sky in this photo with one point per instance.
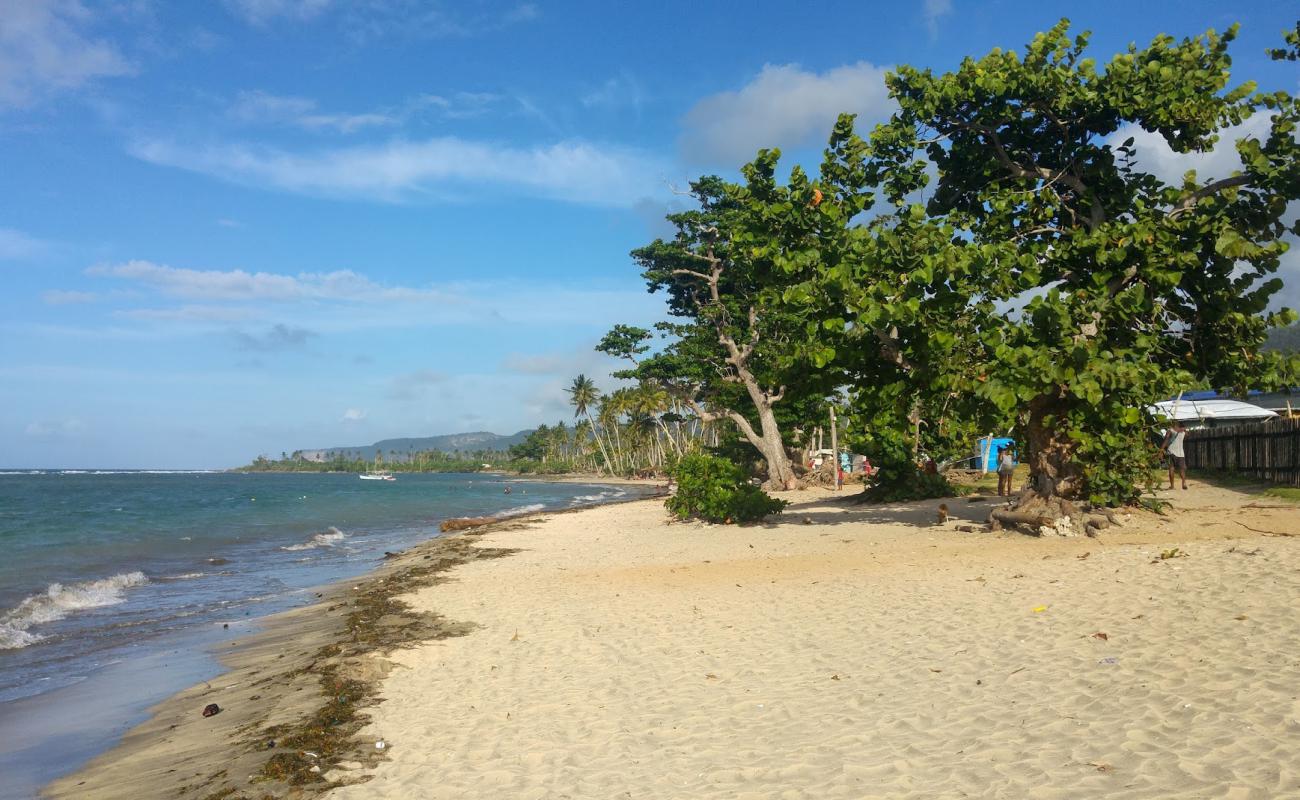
(244, 226)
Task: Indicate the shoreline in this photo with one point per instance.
(271, 678)
(561, 558)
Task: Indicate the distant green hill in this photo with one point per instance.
(1287, 338)
(466, 443)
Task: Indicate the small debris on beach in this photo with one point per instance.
(211, 710)
(1100, 635)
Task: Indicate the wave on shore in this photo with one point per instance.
(327, 538)
(57, 601)
(514, 512)
(585, 499)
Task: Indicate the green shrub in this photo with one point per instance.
(908, 483)
(716, 490)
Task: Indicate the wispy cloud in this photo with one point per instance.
(366, 20)
(353, 415)
(261, 12)
(584, 359)
(18, 246)
(188, 313)
(277, 338)
(783, 106)
(302, 112)
(346, 301)
(60, 297)
(238, 284)
(442, 168)
(47, 46)
(933, 11)
(55, 429)
(619, 92)
(413, 385)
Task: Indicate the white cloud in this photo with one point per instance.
(45, 46)
(446, 168)
(18, 246)
(260, 12)
(240, 285)
(784, 106)
(1153, 154)
(353, 415)
(302, 112)
(933, 11)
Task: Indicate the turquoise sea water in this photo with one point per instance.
(102, 570)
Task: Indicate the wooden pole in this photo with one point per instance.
(835, 449)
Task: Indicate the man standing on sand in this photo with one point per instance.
(1173, 447)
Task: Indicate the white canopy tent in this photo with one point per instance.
(1210, 410)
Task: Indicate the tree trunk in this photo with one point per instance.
(1053, 472)
(1048, 504)
(780, 474)
(600, 443)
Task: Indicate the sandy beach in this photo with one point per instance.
(841, 651)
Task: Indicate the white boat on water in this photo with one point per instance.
(377, 476)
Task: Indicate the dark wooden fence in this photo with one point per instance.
(1266, 450)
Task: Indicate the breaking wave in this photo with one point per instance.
(511, 512)
(327, 538)
(58, 601)
(584, 499)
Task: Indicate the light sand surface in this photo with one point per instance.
(855, 652)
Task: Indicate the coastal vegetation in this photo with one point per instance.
(1000, 255)
(716, 490)
(422, 461)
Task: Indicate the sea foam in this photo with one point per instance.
(327, 538)
(512, 512)
(584, 499)
(58, 601)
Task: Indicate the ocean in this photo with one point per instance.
(106, 573)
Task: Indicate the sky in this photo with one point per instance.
(236, 227)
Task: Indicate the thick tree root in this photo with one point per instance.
(1037, 515)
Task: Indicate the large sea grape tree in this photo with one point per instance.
(732, 344)
(1115, 287)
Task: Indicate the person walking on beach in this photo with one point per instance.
(1006, 468)
(1173, 448)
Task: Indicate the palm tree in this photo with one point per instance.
(584, 394)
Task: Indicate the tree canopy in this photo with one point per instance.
(1000, 252)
